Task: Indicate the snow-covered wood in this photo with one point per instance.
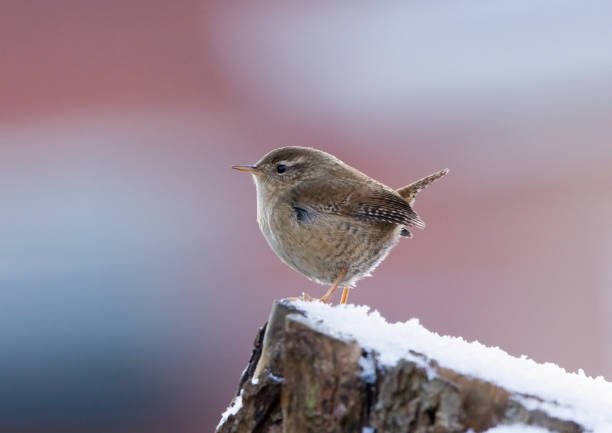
(317, 368)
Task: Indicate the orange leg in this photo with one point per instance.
(327, 296)
(345, 294)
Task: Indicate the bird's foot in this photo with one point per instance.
(304, 297)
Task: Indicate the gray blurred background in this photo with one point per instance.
(133, 276)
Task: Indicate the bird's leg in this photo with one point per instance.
(327, 296)
(345, 294)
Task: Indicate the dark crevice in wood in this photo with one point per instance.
(247, 374)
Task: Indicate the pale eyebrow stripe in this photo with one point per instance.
(289, 162)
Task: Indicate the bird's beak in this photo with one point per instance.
(248, 168)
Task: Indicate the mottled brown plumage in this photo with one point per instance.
(328, 220)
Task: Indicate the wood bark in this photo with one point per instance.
(303, 379)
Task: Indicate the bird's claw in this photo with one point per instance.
(304, 297)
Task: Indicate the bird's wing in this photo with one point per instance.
(361, 200)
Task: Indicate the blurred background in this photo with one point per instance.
(133, 276)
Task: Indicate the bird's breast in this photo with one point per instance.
(320, 245)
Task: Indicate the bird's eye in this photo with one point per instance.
(281, 168)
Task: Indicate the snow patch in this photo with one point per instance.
(517, 428)
(368, 369)
(232, 409)
(572, 396)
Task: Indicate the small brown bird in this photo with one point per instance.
(326, 219)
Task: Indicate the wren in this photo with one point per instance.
(327, 220)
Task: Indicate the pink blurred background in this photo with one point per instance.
(133, 276)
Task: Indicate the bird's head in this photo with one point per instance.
(282, 169)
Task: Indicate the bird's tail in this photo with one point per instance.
(409, 192)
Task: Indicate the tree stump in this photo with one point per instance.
(303, 378)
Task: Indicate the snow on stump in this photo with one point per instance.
(318, 369)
